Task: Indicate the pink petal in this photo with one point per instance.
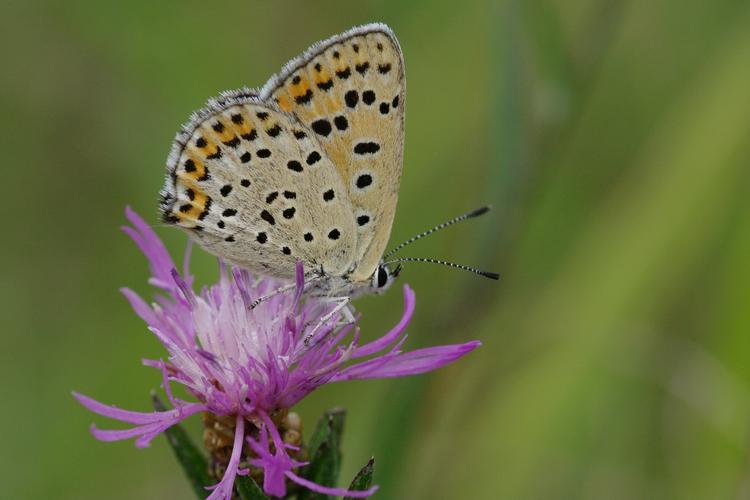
(338, 492)
(131, 417)
(150, 244)
(391, 336)
(140, 306)
(224, 489)
(410, 363)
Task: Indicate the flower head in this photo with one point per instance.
(246, 363)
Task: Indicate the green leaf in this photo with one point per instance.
(248, 489)
(325, 453)
(363, 479)
(191, 459)
(331, 420)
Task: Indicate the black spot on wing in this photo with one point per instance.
(364, 148)
(362, 68)
(294, 166)
(368, 97)
(344, 73)
(325, 86)
(363, 181)
(341, 122)
(169, 218)
(304, 98)
(363, 219)
(351, 98)
(274, 131)
(322, 127)
(313, 158)
(206, 175)
(266, 216)
(206, 209)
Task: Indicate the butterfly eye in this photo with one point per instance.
(382, 277)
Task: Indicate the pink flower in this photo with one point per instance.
(249, 362)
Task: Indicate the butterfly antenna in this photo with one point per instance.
(468, 215)
(486, 274)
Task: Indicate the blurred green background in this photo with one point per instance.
(612, 138)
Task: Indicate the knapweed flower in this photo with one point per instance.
(245, 365)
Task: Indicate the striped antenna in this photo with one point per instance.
(486, 274)
(468, 215)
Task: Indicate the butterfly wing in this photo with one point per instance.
(349, 90)
(254, 186)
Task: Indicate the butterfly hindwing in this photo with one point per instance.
(255, 187)
(349, 91)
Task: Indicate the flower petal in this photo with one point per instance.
(396, 331)
(141, 307)
(149, 425)
(159, 259)
(410, 363)
(131, 417)
(224, 489)
(338, 492)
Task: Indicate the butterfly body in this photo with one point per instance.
(306, 169)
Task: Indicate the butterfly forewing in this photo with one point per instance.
(349, 91)
(256, 187)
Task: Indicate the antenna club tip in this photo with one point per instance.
(480, 211)
(493, 276)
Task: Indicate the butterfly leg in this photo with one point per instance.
(281, 289)
(346, 311)
(340, 307)
(267, 296)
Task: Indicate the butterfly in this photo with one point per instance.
(307, 168)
